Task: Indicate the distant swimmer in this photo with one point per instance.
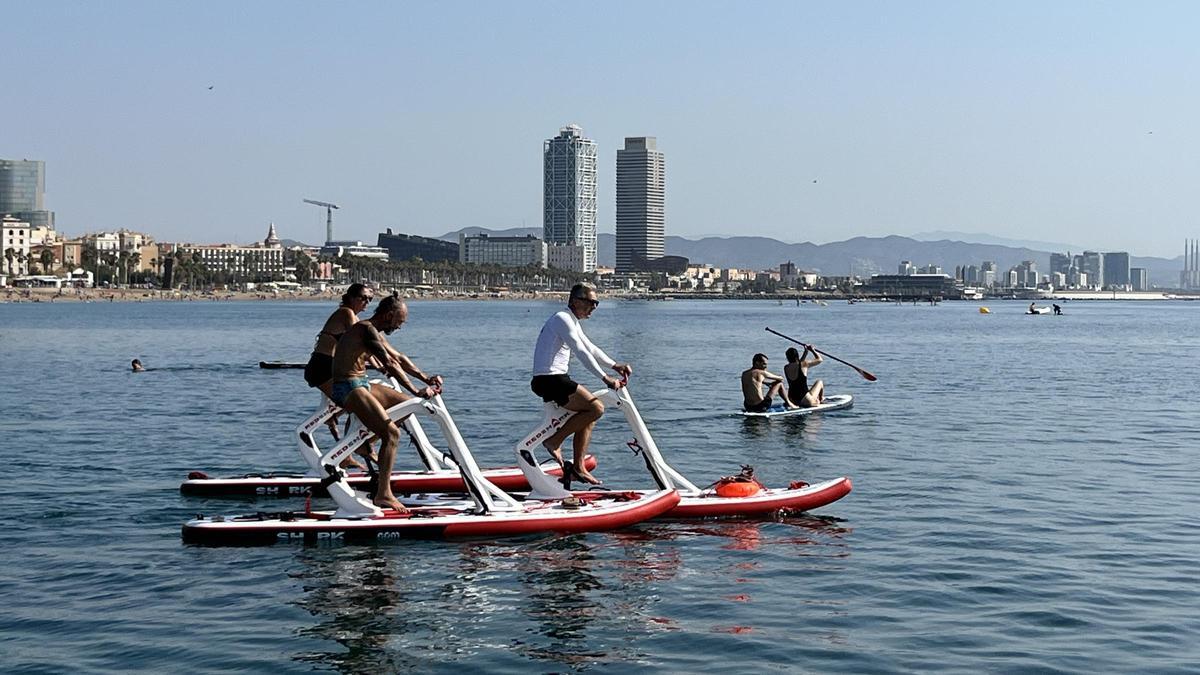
(136, 366)
(753, 380)
(560, 336)
(796, 372)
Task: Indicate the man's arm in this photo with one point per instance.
(379, 348)
(592, 356)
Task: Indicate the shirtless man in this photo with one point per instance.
(753, 379)
(560, 336)
(353, 392)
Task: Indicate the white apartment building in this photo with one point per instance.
(505, 251)
(14, 246)
(570, 257)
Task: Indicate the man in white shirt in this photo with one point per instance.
(560, 336)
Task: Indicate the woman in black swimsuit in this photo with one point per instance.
(318, 373)
(796, 373)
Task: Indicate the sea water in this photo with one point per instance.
(1025, 496)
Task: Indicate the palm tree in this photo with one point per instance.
(46, 259)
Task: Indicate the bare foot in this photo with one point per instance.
(389, 502)
(351, 463)
(586, 476)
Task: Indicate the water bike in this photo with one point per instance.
(484, 511)
(440, 473)
(835, 402)
(737, 495)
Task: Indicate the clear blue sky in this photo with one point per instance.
(1061, 121)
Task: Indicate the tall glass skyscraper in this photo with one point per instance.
(569, 192)
(22, 191)
(641, 196)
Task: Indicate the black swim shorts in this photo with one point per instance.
(762, 406)
(557, 388)
(318, 370)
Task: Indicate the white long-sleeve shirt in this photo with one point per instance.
(561, 335)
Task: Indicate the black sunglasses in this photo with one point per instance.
(593, 303)
(368, 298)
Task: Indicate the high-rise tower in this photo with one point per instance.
(569, 193)
(22, 191)
(641, 196)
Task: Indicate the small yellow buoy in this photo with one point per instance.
(984, 310)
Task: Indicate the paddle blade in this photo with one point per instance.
(867, 376)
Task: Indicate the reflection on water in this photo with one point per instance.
(354, 594)
(570, 600)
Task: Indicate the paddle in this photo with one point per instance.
(866, 376)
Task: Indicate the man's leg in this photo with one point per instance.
(387, 398)
(587, 409)
(777, 390)
(363, 403)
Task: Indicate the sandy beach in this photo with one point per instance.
(157, 295)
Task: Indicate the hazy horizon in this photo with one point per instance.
(800, 122)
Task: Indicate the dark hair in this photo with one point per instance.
(758, 357)
(792, 355)
(355, 290)
(580, 290)
(389, 303)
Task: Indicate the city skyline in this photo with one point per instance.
(1069, 122)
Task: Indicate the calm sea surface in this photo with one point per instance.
(1025, 496)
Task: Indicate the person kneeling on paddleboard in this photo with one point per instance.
(560, 336)
(752, 382)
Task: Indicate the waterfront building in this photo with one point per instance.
(261, 260)
(1189, 278)
(911, 285)
(906, 268)
(402, 247)
(1060, 263)
(569, 194)
(1116, 269)
(14, 245)
(641, 200)
(337, 249)
(570, 257)
(22, 191)
(1139, 278)
(1091, 263)
(506, 251)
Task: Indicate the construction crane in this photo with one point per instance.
(328, 216)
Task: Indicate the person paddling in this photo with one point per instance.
(796, 372)
(560, 336)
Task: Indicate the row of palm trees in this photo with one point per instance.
(454, 275)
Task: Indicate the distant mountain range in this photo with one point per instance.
(861, 255)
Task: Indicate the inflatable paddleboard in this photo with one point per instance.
(588, 512)
(1039, 310)
(801, 497)
(280, 365)
(835, 402)
(282, 484)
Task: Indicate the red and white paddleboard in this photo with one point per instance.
(709, 504)
(590, 511)
(279, 484)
